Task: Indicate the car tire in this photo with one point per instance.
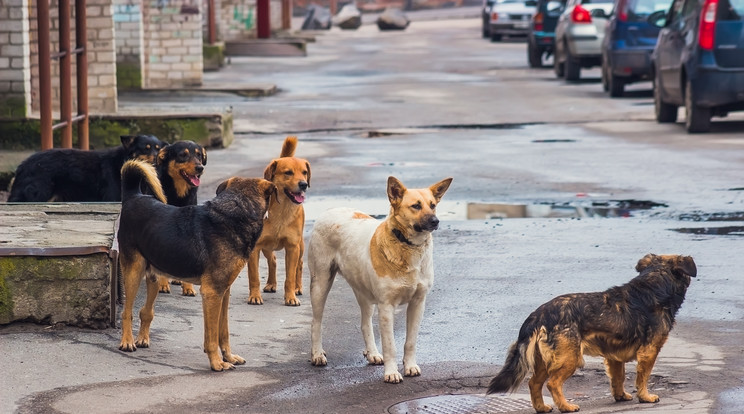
(572, 68)
(697, 118)
(558, 67)
(495, 37)
(534, 55)
(485, 32)
(665, 113)
(615, 85)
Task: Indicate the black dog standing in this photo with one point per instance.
(73, 175)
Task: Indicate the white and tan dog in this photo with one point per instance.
(386, 263)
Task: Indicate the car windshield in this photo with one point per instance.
(639, 10)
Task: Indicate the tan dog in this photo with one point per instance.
(386, 263)
(283, 227)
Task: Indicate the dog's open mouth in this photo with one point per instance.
(297, 198)
(191, 179)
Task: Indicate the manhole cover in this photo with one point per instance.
(461, 404)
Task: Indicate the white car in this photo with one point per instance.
(507, 18)
(579, 35)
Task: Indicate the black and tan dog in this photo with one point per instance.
(283, 227)
(180, 166)
(73, 175)
(204, 244)
(622, 324)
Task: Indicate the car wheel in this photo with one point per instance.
(485, 32)
(495, 37)
(605, 86)
(572, 67)
(534, 55)
(558, 67)
(697, 118)
(615, 85)
(665, 113)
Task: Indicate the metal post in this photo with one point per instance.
(81, 41)
(45, 76)
(287, 14)
(65, 73)
(263, 19)
(211, 23)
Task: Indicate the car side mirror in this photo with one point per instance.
(657, 18)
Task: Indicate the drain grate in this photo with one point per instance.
(461, 404)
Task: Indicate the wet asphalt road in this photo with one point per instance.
(448, 104)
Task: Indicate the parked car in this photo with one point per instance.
(628, 42)
(579, 35)
(699, 61)
(508, 18)
(541, 35)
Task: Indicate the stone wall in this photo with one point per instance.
(15, 72)
(129, 44)
(236, 19)
(173, 43)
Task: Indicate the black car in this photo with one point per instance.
(628, 43)
(699, 61)
(541, 36)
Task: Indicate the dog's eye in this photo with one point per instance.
(416, 206)
(288, 173)
(433, 206)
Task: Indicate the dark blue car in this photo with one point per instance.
(699, 61)
(541, 36)
(629, 40)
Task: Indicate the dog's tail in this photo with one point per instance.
(133, 173)
(289, 147)
(519, 362)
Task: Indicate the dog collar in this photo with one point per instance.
(399, 235)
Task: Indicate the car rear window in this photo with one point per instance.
(639, 10)
(731, 10)
(596, 1)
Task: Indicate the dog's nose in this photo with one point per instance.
(433, 222)
(199, 168)
(302, 185)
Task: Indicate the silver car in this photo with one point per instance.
(508, 18)
(579, 35)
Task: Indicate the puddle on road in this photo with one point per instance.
(457, 210)
(715, 231)
(702, 216)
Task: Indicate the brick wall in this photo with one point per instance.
(236, 19)
(172, 44)
(102, 96)
(129, 44)
(15, 73)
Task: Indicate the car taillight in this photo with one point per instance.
(622, 10)
(581, 15)
(537, 20)
(494, 16)
(707, 34)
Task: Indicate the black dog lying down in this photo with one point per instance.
(206, 244)
(70, 175)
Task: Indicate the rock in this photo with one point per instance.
(392, 19)
(349, 18)
(317, 18)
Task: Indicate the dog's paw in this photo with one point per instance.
(163, 287)
(393, 377)
(270, 287)
(292, 301)
(648, 398)
(233, 359)
(221, 366)
(255, 300)
(544, 408)
(127, 347)
(624, 397)
(142, 343)
(175, 282)
(298, 291)
(568, 408)
(374, 358)
(412, 371)
(188, 290)
(319, 359)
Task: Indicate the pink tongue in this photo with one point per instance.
(194, 181)
(299, 197)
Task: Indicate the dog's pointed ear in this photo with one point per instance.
(307, 165)
(270, 171)
(269, 189)
(686, 265)
(223, 185)
(440, 188)
(162, 154)
(127, 140)
(395, 190)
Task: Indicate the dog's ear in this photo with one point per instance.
(395, 190)
(269, 189)
(223, 185)
(645, 262)
(270, 171)
(685, 265)
(438, 189)
(127, 140)
(162, 155)
(307, 164)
